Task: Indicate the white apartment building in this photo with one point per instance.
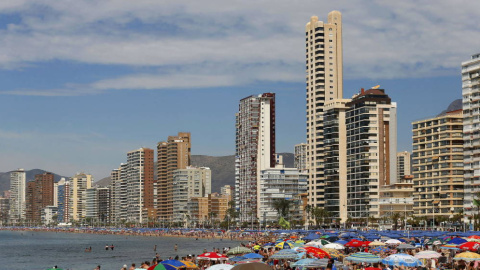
(78, 187)
(188, 183)
(471, 132)
(18, 184)
(300, 157)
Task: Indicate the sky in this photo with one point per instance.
(83, 82)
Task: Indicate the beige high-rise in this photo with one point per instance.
(324, 83)
(171, 155)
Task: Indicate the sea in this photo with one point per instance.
(24, 250)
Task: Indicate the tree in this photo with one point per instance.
(319, 214)
(282, 206)
(395, 217)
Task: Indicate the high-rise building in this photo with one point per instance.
(335, 154)
(98, 204)
(39, 195)
(140, 183)
(254, 151)
(438, 166)
(471, 131)
(371, 150)
(188, 183)
(324, 80)
(172, 155)
(63, 201)
(403, 164)
(78, 187)
(18, 186)
(300, 157)
(227, 190)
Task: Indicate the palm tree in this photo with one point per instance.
(319, 214)
(395, 217)
(282, 206)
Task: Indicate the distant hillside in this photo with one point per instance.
(223, 169)
(455, 105)
(30, 174)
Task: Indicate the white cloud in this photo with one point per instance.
(231, 43)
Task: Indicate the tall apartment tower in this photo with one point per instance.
(139, 179)
(39, 195)
(471, 130)
(79, 185)
(255, 151)
(438, 166)
(63, 213)
(172, 155)
(324, 82)
(18, 186)
(403, 164)
(335, 168)
(300, 157)
(371, 150)
(118, 197)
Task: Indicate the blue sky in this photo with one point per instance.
(83, 82)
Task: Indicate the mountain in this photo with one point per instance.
(455, 105)
(30, 174)
(223, 169)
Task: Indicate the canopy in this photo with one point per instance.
(402, 259)
(363, 257)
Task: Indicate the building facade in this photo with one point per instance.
(280, 183)
(471, 131)
(438, 166)
(396, 200)
(18, 186)
(254, 151)
(188, 183)
(173, 154)
(63, 201)
(78, 187)
(139, 179)
(371, 150)
(39, 195)
(403, 164)
(300, 157)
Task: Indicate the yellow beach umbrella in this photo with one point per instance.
(376, 243)
(190, 265)
(333, 252)
(467, 256)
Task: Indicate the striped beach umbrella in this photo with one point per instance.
(284, 245)
(467, 256)
(238, 250)
(363, 257)
(402, 259)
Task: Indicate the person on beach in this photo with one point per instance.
(111, 247)
(176, 247)
(132, 267)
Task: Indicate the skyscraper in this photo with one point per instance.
(172, 154)
(18, 187)
(471, 130)
(324, 83)
(39, 195)
(255, 151)
(79, 185)
(140, 196)
(63, 201)
(300, 157)
(438, 166)
(403, 164)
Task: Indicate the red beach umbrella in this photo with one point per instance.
(355, 243)
(212, 256)
(317, 252)
(471, 246)
(474, 237)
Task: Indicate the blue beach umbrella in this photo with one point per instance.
(380, 249)
(457, 241)
(284, 245)
(172, 264)
(402, 259)
(253, 256)
(236, 259)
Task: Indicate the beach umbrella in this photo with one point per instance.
(457, 241)
(450, 246)
(372, 268)
(157, 267)
(236, 259)
(190, 265)
(306, 263)
(252, 266)
(284, 256)
(334, 246)
(405, 246)
(299, 242)
(238, 250)
(172, 264)
(393, 242)
(314, 244)
(317, 252)
(355, 243)
(333, 252)
(402, 259)
(220, 267)
(363, 257)
(471, 246)
(473, 237)
(379, 249)
(212, 256)
(376, 243)
(284, 245)
(467, 256)
(427, 254)
(473, 240)
(341, 242)
(253, 256)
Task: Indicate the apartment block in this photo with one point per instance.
(403, 164)
(63, 201)
(471, 131)
(79, 185)
(39, 195)
(254, 151)
(139, 180)
(324, 82)
(438, 165)
(173, 154)
(17, 204)
(396, 199)
(300, 157)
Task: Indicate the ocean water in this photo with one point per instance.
(42, 250)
